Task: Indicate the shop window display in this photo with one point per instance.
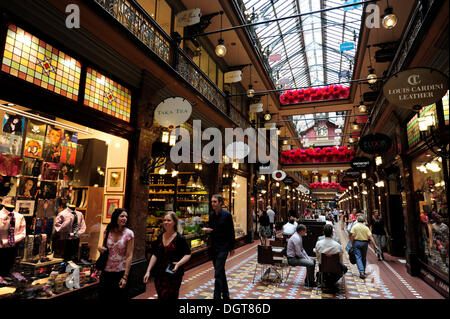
(430, 191)
(187, 195)
(40, 183)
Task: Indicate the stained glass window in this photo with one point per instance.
(105, 95)
(31, 59)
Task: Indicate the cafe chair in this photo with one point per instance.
(329, 264)
(280, 257)
(265, 260)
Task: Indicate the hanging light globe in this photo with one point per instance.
(389, 19)
(372, 77)
(250, 91)
(362, 108)
(221, 49)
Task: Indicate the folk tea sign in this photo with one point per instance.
(375, 143)
(173, 112)
(415, 88)
(360, 163)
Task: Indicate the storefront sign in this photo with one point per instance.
(375, 143)
(233, 76)
(256, 108)
(173, 112)
(303, 189)
(360, 163)
(416, 87)
(351, 173)
(278, 175)
(188, 17)
(288, 180)
(237, 150)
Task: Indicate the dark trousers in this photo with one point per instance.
(220, 278)
(109, 286)
(271, 229)
(331, 278)
(7, 258)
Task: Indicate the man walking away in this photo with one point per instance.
(360, 235)
(221, 229)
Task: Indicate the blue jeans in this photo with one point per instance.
(360, 254)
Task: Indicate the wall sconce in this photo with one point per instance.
(378, 160)
(262, 177)
(355, 184)
(379, 184)
(363, 175)
(165, 137)
(174, 173)
(235, 165)
(172, 140)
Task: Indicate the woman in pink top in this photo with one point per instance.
(120, 243)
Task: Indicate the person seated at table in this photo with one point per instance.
(297, 255)
(290, 227)
(331, 247)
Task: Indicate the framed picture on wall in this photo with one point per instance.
(25, 207)
(115, 179)
(110, 203)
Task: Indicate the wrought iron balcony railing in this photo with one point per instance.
(132, 16)
(138, 22)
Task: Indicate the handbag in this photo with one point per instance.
(351, 253)
(100, 264)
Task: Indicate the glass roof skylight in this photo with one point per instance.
(310, 45)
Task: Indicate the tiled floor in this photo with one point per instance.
(385, 280)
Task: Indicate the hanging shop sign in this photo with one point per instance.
(351, 174)
(360, 163)
(173, 112)
(237, 150)
(233, 76)
(416, 87)
(188, 17)
(347, 46)
(288, 180)
(303, 189)
(375, 143)
(256, 108)
(278, 175)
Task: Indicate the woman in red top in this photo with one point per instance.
(169, 253)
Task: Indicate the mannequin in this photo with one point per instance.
(12, 231)
(69, 225)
